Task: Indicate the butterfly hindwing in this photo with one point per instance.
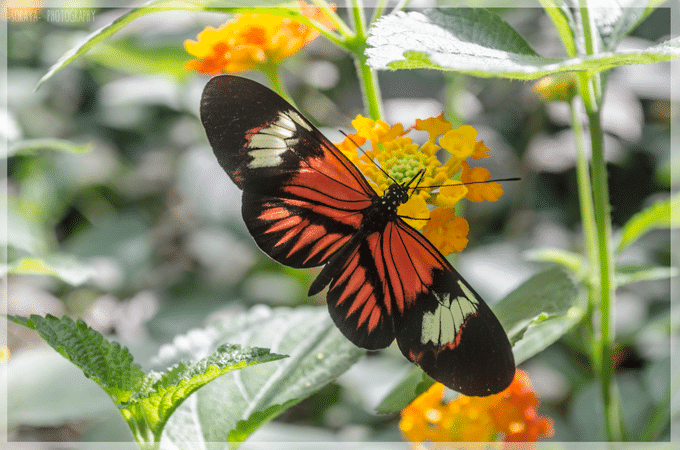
(445, 327)
(356, 298)
(456, 339)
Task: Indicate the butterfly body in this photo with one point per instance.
(307, 205)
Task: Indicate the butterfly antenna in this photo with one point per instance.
(366, 154)
(435, 186)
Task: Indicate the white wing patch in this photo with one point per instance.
(268, 145)
(443, 324)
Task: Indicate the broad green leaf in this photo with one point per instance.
(246, 427)
(107, 31)
(31, 146)
(539, 312)
(134, 56)
(246, 399)
(45, 390)
(656, 216)
(155, 6)
(627, 274)
(146, 401)
(618, 18)
(570, 260)
(443, 40)
(64, 267)
(162, 393)
(564, 22)
(107, 363)
(414, 384)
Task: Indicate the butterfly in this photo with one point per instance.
(306, 205)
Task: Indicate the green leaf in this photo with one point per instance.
(619, 18)
(246, 427)
(626, 274)
(154, 6)
(570, 260)
(246, 399)
(564, 22)
(64, 267)
(32, 146)
(146, 401)
(539, 312)
(37, 396)
(132, 56)
(414, 384)
(161, 394)
(107, 363)
(107, 31)
(656, 216)
(483, 46)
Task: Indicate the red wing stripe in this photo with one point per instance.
(335, 247)
(322, 243)
(310, 234)
(366, 311)
(376, 251)
(290, 234)
(283, 224)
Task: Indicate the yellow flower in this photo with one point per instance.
(395, 158)
(252, 41)
(509, 416)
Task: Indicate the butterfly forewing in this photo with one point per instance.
(302, 198)
(306, 205)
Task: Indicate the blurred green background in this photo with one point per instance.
(144, 230)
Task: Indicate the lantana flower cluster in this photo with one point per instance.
(431, 206)
(509, 416)
(252, 41)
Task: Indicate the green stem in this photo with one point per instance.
(591, 92)
(368, 79)
(278, 86)
(607, 285)
(584, 193)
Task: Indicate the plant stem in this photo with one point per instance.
(368, 79)
(585, 192)
(606, 277)
(591, 92)
(273, 76)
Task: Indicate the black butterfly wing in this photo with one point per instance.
(440, 323)
(303, 199)
(445, 327)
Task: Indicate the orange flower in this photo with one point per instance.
(447, 231)
(400, 160)
(509, 416)
(252, 41)
(479, 192)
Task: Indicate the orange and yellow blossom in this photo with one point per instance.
(252, 41)
(401, 160)
(509, 416)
